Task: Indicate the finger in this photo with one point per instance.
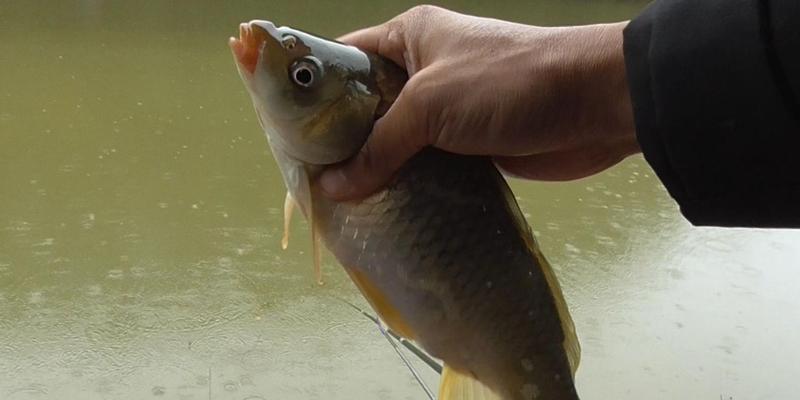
(385, 40)
(561, 165)
(394, 139)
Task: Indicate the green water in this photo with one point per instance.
(140, 216)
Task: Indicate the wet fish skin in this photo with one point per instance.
(443, 253)
(445, 246)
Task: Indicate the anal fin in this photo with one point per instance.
(455, 385)
(386, 311)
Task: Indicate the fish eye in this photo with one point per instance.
(303, 76)
(305, 72)
(289, 42)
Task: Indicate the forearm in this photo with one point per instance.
(586, 91)
(603, 99)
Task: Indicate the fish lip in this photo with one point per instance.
(248, 47)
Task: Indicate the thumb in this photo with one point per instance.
(395, 138)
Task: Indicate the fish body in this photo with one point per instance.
(442, 253)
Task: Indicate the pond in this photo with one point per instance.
(141, 214)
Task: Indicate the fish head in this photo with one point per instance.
(314, 97)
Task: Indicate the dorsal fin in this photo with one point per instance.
(572, 346)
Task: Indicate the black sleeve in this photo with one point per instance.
(715, 86)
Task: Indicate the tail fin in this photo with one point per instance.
(457, 386)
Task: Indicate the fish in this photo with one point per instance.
(442, 253)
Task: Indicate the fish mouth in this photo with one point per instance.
(250, 43)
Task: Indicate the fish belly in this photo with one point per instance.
(445, 257)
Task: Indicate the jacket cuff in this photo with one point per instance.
(702, 88)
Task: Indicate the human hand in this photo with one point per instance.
(546, 103)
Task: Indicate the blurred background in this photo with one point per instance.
(140, 217)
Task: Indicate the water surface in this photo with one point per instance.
(140, 222)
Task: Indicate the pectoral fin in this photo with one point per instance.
(458, 386)
(288, 210)
(299, 193)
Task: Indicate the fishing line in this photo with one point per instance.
(406, 362)
(430, 361)
(391, 337)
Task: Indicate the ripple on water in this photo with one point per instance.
(158, 390)
(118, 330)
(224, 262)
(31, 389)
(138, 272)
(132, 237)
(94, 290)
(115, 274)
(19, 226)
(230, 386)
(45, 242)
(88, 221)
(36, 297)
(571, 248)
(605, 240)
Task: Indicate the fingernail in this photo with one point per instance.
(334, 183)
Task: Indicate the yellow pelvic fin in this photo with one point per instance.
(458, 386)
(288, 210)
(317, 252)
(386, 311)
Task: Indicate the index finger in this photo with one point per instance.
(385, 40)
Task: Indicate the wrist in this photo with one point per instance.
(592, 69)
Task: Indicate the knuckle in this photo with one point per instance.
(410, 28)
(396, 24)
(418, 17)
(421, 12)
(394, 37)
